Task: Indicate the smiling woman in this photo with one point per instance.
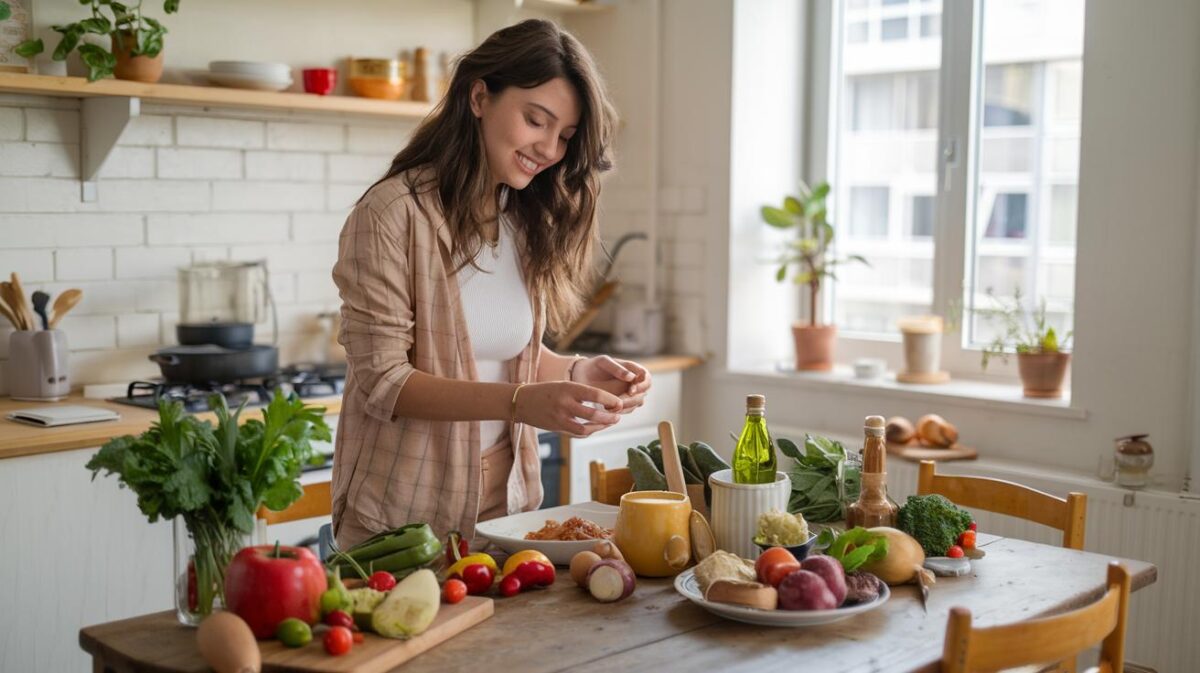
(446, 366)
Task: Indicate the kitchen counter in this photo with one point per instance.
(19, 439)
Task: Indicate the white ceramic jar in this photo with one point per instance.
(736, 507)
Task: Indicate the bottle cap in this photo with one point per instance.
(756, 402)
(874, 422)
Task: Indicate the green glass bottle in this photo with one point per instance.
(754, 457)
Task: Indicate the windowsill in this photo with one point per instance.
(960, 392)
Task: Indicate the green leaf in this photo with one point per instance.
(171, 6)
(98, 25)
(1050, 341)
(5, 11)
(70, 39)
(788, 448)
(30, 48)
(99, 61)
(821, 191)
(826, 231)
(793, 205)
(781, 273)
(778, 218)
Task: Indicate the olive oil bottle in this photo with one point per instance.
(754, 457)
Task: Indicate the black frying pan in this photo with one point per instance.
(215, 364)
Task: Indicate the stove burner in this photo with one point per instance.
(194, 397)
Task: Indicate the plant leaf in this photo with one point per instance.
(5, 11)
(778, 218)
(30, 48)
(793, 205)
(781, 273)
(820, 191)
(788, 448)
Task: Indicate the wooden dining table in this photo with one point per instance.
(562, 628)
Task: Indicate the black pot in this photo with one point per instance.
(215, 364)
(227, 334)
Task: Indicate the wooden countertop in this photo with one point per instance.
(18, 439)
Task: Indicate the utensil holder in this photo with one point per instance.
(37, 367)
(736, 507)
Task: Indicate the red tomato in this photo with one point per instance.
(453, 591)
(265, 585)
(775, 564)
(954, 551)
(478, 578)
(967, 540)
(382, 580)
(339, 618)
(535, 574)
(510, 586)
(973, 526)
(358, 637)
(338, 640)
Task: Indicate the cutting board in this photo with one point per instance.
(376, 653)
(917, 453)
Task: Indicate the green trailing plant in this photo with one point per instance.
(136, 33)
(1021, 333)
(809, 251)
(5, 11)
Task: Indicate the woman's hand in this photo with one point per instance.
(559, 406)
(624, 378)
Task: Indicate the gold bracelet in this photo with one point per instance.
(571, 368)
(513, 411)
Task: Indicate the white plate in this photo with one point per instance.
(687, 585)
(508, 532)
(249, 81)
(257, 68)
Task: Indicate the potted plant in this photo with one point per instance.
(1041, 356)
(211, 482)
(136, 40)
(809, 252)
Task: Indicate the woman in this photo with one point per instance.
(450, 269)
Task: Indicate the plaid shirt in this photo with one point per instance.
(402, 312)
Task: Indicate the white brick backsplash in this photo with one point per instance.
(87, 332)
(283, 287)
(41, 195)
(168, 322)
(359, 169)
(83, 264)
(51, 126)
(295, 257)
(153, 195)
(210, 253)
(314, 227)
(299, 166)
(687, 279)
(685, 253)
(620, 199)
(694, 200)
(148, 130)
(128, 162)
(134, 263)
(343, 197)
(156, 296)
(34, 266)
(112, 366)
(316, 286)
(670, 199)
(293, 136)
(39, 160)
(199, 164)
(216, 228)
(685, 228)
(70, 230)
(370, 139)
(268, 196)
(138, 329)
(100, 297)
(213, 132)
(12, 123)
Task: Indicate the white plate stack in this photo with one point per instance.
(251, 75)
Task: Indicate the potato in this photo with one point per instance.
(611, 580)
(581, 565)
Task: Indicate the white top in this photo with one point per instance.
(499, 315)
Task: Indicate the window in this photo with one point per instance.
(956, 180)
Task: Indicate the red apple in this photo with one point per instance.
(267, 584)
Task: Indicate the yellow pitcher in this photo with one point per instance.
(652, 532)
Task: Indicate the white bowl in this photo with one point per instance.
(508, 532)
(261, 69)
(735, 509)
(255, 82)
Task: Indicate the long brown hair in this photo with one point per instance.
(557, 210)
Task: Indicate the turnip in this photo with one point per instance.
(805, 590)
(610, 580)
(830, 570)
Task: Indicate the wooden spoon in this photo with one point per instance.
(22, 302)
(63, 303)
(7, 311)
(6, 292)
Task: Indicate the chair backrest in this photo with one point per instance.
(609, 485)
(316, 501)
(1006, 497)
(1038, 641)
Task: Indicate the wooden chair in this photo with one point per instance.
(1050, 639)
(316, 501)
(1006, 497)
(609, 485)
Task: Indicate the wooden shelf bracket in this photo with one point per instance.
(102, 120)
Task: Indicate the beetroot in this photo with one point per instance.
(830, 570)
(805, 590)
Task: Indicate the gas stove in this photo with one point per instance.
(307, 380)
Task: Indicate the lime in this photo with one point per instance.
(293, 632)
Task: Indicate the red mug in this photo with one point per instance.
(320, 80)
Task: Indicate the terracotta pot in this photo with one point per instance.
(1042, 374)
(135, 68)
(814, 346)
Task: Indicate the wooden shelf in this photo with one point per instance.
(181, 94)
(564, 5)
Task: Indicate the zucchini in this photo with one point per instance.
(391, 541)
(412, 557)
(706, 459)
(646, 477)
(655, 450)
(691, 473)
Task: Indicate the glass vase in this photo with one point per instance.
(199, 589)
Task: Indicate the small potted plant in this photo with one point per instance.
(922, 338)
(136, 39)
(1042, 358)
(809, 252)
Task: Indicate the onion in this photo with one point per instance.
(610, 580)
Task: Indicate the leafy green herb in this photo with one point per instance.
(814, 476)
(853, 548)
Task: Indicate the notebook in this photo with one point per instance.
(68, 414)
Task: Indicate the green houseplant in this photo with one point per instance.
(137, 41)
(1042, 356)
(213, 479)
(809, 252)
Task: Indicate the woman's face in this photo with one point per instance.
(525, 131)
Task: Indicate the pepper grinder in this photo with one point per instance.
(1134, 458)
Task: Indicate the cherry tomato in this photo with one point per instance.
(534, 574)
(775, 564)
(478, 578)
(381, 580)
(453, 591)
(338, 640)
(510, 586)
(358, 637)
(954, 551)
(973, 526)
(967, 540)
(339, 618)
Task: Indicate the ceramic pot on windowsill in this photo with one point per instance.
(922, 336)
(146, 69)
(1042, 374)
(814, 346)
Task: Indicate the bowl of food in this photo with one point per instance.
(557, 532)
(781, 529)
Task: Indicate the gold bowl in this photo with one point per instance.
(377, 78)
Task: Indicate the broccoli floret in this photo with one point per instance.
(933, 521)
